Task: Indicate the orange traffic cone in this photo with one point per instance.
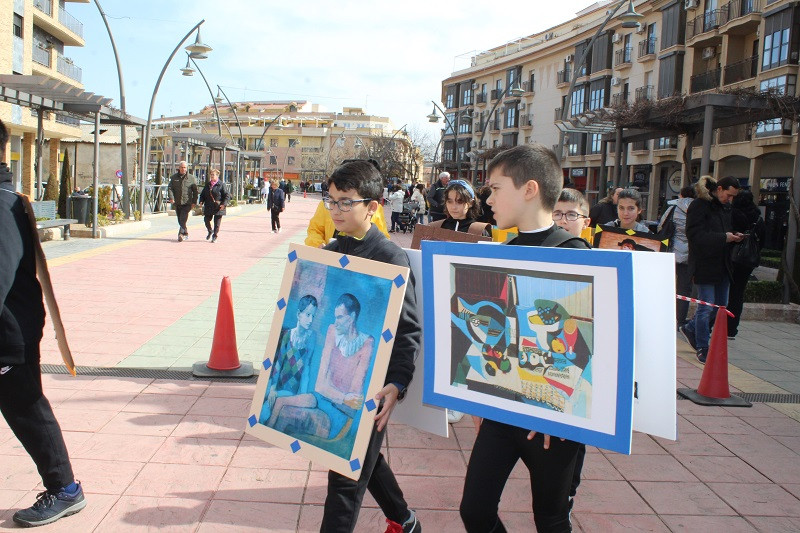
(713, 388)
(224, 359)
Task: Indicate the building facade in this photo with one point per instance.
(681, 47)
(35, 41)
(297, 140)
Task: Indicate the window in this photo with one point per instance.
(673, 29)
(670, 74)
(293, 143)
(597, 99)
(779, 85)
(483, 89)
(495, 143)
(498, 86)
(511, 116)
(464, 125)
(273, 142)
(510, 139)
(666, 143)
(290, 160)
(577, 105)
(450, 123)
(777, 41)
(513, 75)
(466, 95)
(651, 38)
(273, 160)
(595, 143)
(451, 96)
(448, 153)
(575, 144)
(627, 47)
(17, 25)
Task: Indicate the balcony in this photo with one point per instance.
(619, 99)
(67, 120)
(496, 94)
(74, 25)
(563, 77)
(705, 81)
(735, 134)
(40, 54)
(526, 121)
(65, 66)
(557, 114)
(622, 57)
(495, 126)
(740, 17)
(703, 28)
(481, 99)
(646, 92)
(647, 47)
(741, 70)
(45, 6)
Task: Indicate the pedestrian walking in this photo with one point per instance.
(436, 198)
(214, 199)
(183, 197)
(288, 188)
(22, 402)
(745, 218)
(605, 210)
(419, 196)
(672, 226)
(396, 197)
(275, 204)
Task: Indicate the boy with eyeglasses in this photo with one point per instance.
(571, 212)
(353, 192)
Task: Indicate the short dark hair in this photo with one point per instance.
(3, 138)
(305, 301)
(631, 194)
(688, 192)
(574, 196)
(531, 162)
(729, 181)
(349, 302)
(360, 176)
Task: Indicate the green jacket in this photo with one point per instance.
(182, 189)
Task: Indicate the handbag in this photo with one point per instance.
(746, 253)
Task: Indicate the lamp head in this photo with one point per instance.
(187, 70)
(218, 98)
(630, 19)
(434, 116)
(515, 90)
(199, 47)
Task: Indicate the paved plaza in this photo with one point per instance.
(171, 455)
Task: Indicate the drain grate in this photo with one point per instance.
(147, 373)
(764, 397)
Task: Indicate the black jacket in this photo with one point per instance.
(707, 222)
(182, 189)
(376, 246)
(214, 199)
(602, 213)
(22, 315)
(436, 199)
(276, 199)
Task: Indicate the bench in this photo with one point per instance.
(47, 210)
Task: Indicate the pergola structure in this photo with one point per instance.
(215, 143)
(50, 95)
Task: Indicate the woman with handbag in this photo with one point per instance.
(745, 218)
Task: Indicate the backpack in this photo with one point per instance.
(666, 228)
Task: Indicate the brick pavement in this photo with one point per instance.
(156, 454)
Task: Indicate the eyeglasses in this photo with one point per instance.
(343, 205)
(572, 216)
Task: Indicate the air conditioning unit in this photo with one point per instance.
(709, 52)
(548, 36)
(474, 86)
(521, 106)
(641, 29)
(570, 58)
(616, 38)
(690, 4)
(614, 81)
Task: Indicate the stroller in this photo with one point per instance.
(408, 218)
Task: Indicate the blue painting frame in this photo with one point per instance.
(617, 349)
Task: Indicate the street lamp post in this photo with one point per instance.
(514, 90)
(199, 49)
(241, 140)
(434, 118)
(630, 19)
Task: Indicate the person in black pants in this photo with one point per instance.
(276, 201)
(745, 218)
(22, 402)
(183, 196)
(214, 198)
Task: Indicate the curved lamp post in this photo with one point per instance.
(197, 51)
(330, 149)
(189, 71)
(630, 19)
(434, 118)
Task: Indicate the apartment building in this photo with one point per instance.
(36, 40)
(297, 140)
(681, 47)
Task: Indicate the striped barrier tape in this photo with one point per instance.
(701, 302)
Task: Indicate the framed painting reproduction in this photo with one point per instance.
(613, 238)
(327, 356)
(539, 338)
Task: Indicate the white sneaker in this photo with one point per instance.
(279, 230)
(454, 417)
(274, 231)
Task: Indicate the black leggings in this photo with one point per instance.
(30, 417)
(497, 449)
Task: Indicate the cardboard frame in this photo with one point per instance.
(603, 417)
(424, 232)
(613, 238)
(315, 418)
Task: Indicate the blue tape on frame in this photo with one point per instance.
(267, 363)
(281, 304)
(292, 256)
(387, 335)
(252, 420)
(344, 261)
(355, 464)
(370, 405)
(399, 281)
(295, 446)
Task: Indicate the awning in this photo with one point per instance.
(215, 142)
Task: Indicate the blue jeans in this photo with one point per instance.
(700, 324)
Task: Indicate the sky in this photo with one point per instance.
(387, 57)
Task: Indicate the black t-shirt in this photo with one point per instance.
(463, 225)
(538, 237)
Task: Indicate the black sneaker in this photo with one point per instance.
(689, 336)
(180, 237)
(49, 507)
(208, 236)
(214, 239)
(702, 353)
(412, 525)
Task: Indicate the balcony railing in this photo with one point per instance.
(45, 6)
(563, 76)
(739, 8)
(40, 55)
(74, 25)
(705, 81)
(526, 121)
(703, 23)
(646, 92)
(482, 98)
(741, 70)
(623, 56)
(618, 99)
(68, 120)
(496, 94)
(65, 66)
(647, 47)
(735, 134)
(557, 114)
(495, 126)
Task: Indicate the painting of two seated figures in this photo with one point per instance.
(324, 358)
(526, 336)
